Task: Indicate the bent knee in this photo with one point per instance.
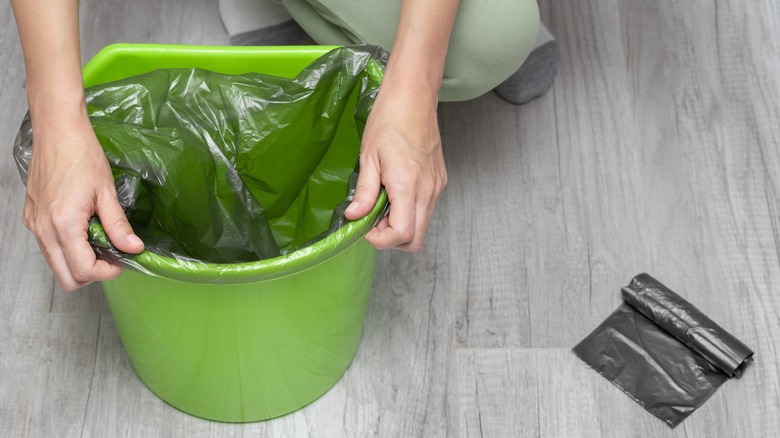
(488, 44)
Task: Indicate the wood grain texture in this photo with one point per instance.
(64, 375)
(149, 21)
(546, 393)
(486, 196)
(707, 102)
(89, 299)
(544, 198)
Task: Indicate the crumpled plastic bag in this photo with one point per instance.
(662, 351)
(215, 168)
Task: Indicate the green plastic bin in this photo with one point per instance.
(273, 335)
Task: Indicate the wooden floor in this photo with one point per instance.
(657, 150)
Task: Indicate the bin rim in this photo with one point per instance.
(198, 271)
(170, 55)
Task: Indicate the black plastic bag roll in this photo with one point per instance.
(687, 324)
(662, 351)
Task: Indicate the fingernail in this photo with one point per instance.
(134, 240)
(352, 207)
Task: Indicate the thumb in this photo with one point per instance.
(118, 229)
(366, 192)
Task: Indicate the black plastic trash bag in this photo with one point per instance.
(662, 351)
(219, 168)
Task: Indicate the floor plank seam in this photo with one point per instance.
(538, 414)
(52, 291)
(34, 381)
(511, 349)
(476, 399)
(454, 363)
(92, 376)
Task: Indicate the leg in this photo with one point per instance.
(489, 41)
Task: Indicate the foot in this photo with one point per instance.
(537, 73)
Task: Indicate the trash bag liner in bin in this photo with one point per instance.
(216, 168)
(662, 351)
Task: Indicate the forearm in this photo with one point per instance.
(50, 41)
(420, 48)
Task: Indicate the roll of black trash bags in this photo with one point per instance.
(662, 351)
(687, 324)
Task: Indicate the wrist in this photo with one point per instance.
(410, 88)
(415, 68)
(56, 94)
(61, 107)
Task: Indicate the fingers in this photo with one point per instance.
(400, 227)
(423, 214)
(366, 191)
(56, 260)
(80, 258)
(116, 225)
(63, 241)
(411, 209)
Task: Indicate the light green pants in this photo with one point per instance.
(489, 42)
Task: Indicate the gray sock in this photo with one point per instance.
(537, 73)
(283, 34)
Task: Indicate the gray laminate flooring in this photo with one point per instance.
(657, 150)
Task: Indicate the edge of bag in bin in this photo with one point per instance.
(216, 169)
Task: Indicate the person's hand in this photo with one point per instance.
(401, 149)
(69, 181)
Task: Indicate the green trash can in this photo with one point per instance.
(273, 335)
